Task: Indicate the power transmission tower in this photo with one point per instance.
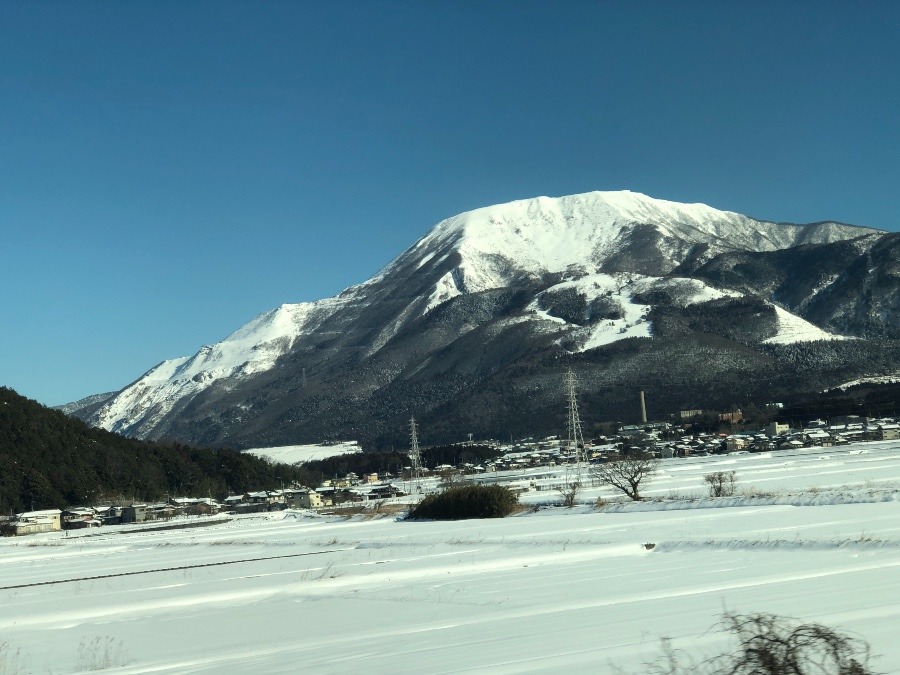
(575, 434)
(415, 456)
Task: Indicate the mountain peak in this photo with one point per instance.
(610, 230)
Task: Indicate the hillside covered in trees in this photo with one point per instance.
(394, 462)
(49, 460)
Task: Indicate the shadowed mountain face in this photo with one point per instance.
(471, 329)
(850, 287)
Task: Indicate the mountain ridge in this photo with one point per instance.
(561, 276)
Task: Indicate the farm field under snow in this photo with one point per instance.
(550, 590)
(300, 454)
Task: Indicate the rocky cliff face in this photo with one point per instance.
(470, 328)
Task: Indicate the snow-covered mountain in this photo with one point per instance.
(495, 298)
(614, 231)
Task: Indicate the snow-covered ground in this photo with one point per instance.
(550, 590)
(298, 454)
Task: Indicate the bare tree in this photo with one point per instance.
(626, 474)
(720, 483)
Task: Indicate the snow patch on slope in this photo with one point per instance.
(300, 454)
(686, 292)
(447, 287)
(620, 290)
(877, 379)
(792, 328)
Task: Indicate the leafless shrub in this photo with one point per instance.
(773, 645)
(721, 483)
(569, 493)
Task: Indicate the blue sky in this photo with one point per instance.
(169, 170)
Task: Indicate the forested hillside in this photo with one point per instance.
(49, 460)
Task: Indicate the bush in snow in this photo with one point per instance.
(467, 501)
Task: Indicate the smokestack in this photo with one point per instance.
(643, 408)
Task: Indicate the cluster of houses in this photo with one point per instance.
(662, 440)
(841, 431)
(665, 440)
(350, 489)
(81, 517)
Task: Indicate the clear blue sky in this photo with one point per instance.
(168, 170)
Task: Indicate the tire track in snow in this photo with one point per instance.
(171, 569)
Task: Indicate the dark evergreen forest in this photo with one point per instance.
(49, 460)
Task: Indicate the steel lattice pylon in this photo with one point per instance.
(575, 434)
(415, 457)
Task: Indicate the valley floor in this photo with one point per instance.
(550, 590)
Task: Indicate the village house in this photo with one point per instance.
(777, 429)
(109, 515)
(196, 506)
(257, 497)
(162, 511)
(232, 500)
(384, 492)
(765, 444)
(32, 522)
(736, 443)
(135, 513)
(818, 437)
(304, 499)
(80, 517)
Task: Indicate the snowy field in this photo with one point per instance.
(815, 535)
(300, 454)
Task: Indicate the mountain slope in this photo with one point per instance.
(849, 286)
(492, 303)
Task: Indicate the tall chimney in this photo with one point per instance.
(643, 408)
